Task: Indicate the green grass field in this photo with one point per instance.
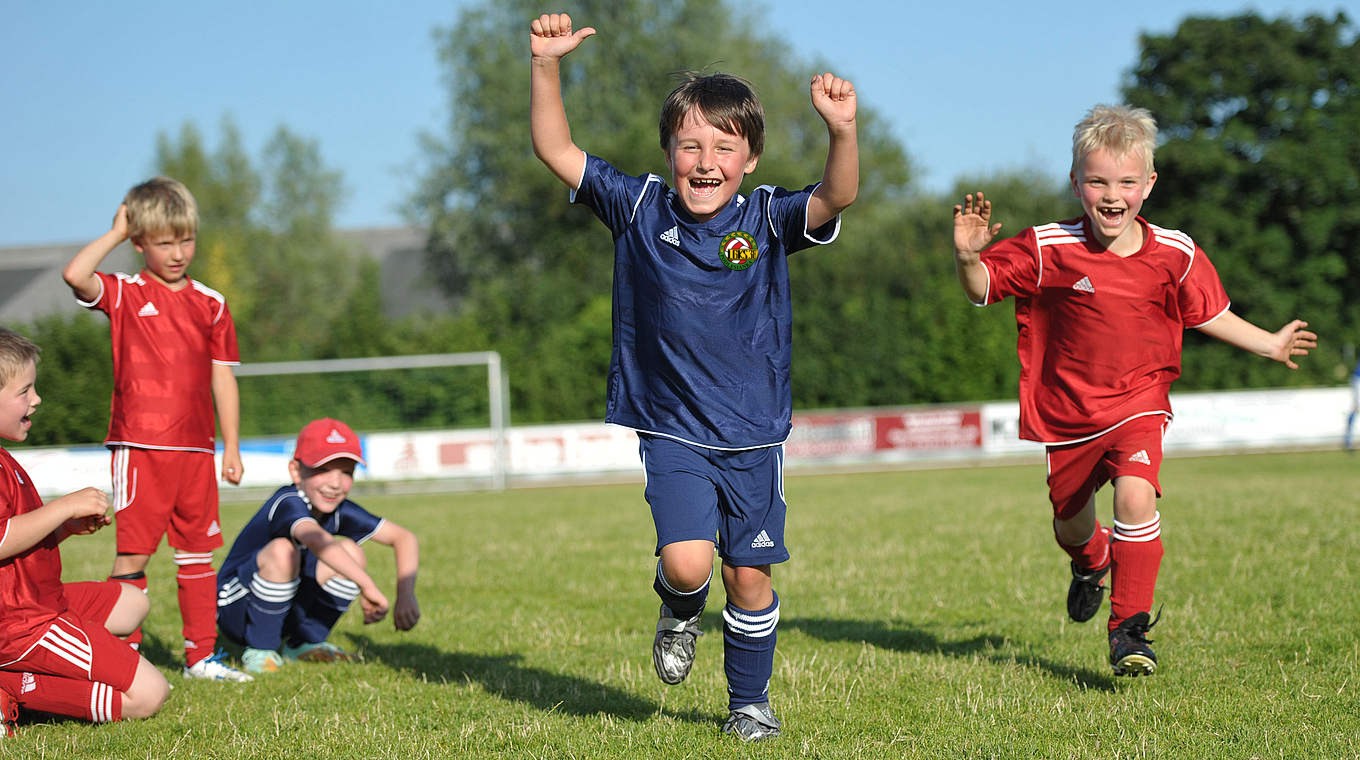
(923, 617)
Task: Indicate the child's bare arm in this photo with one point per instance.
(834, 99)
(88, 508)
(321, 543)
(227, 401)
(406, 550)
(79, 271)
(550, 38)
(973, 231)
(1284, 344)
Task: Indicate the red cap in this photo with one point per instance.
(325, 439)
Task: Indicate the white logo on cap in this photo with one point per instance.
(335, 437)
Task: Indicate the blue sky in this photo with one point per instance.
(969, 88)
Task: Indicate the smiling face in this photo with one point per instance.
(18, 400)
(1112, 190)
(167, 255)
(707, 165)
(324, 487)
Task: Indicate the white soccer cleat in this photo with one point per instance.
(215, 668)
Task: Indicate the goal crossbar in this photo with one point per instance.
(495, 384)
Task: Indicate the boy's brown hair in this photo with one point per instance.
(161, 205)
(725, 101)
(16, 352)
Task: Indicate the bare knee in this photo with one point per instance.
(129, 611)
(1076, 529)
(1135, 500)
(749, 588)
(279, 560)
(687, 564)
(147, 694)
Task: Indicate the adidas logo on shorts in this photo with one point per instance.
(1141, 457)
(762, 541)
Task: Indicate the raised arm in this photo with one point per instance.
(406, 551)
(550, 38)
(227, 401)
(834, 100)
(79, 271)
(1284, 344)
(973, 231)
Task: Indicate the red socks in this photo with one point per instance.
(197, 581)
(1137, 556)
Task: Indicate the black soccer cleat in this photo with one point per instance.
(1130, 650)
(673, 647)
(752, 723)
(1085, 593)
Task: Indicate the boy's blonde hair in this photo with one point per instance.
(726, 102)
(1122, 130)
(161, 205)
(16, 352)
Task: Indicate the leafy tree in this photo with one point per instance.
(265, 237)
(1260, 163)
(75, 379)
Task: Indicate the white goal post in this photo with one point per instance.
(495, 385)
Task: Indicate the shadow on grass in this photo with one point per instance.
(504, 676)
(158, 651)
(916, 640)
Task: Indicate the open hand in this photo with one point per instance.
(1292, 340)
(973, 228)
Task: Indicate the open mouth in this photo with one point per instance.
(704, 187)
(1111, 215)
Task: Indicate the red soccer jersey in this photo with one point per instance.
(165, 343)
(1099, 334)
(31, 593)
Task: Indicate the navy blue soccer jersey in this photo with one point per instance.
(703, 323)
(278, 515)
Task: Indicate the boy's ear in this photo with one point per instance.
(751, 165)
(295, 471)
(1151, 180)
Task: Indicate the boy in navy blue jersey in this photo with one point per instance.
(299, 563)
(702, 333)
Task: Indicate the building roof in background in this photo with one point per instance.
(31, 286)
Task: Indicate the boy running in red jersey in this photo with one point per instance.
(59, 646)
(1101, 303)
(174, 346)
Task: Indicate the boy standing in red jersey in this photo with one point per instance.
(59, 648)
(1101, 303)
(174, 346)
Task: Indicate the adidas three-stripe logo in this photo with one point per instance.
(762, 541)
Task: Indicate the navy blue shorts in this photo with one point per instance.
(234, 595)
(735, 497)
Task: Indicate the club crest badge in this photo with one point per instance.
(738, 250)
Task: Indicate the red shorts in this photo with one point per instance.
(78, 646)
(1078, 470)
(165, 493)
